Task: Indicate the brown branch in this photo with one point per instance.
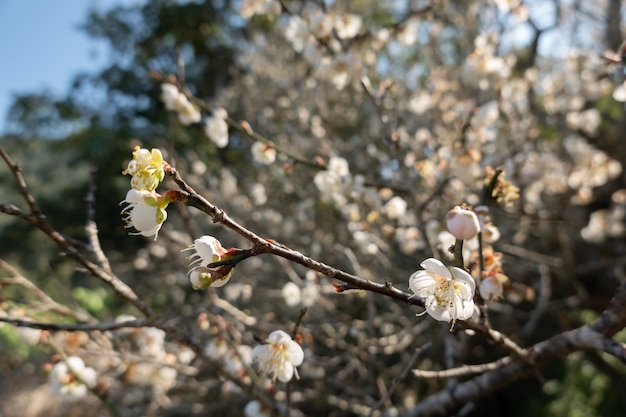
(75, 327)
(39, 220)
(50, 304)
(612, 320)
(260, 246)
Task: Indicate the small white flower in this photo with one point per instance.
(216, 128)
(297, 33)
(338, 166)
(291, 294)
(395, 208)
(463, 224)
(208, 250)
(320, 24)
(146, 168)
(448, 292)
(348, 25)
(151, 342)
(145, 212)
(187, 112)
(169, 95)
(263, 153)
(279, 357)
(175, 100)
(250, 8)
(71, 378)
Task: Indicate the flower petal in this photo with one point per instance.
(463, 276)
(436, 266)
(421, 283)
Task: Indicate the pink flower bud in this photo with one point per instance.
(462, 223)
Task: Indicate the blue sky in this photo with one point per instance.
(41, 46)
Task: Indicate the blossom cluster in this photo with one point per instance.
(145, 211)
(208, 250)
(215, 126)
(175, 100)
(71, 378)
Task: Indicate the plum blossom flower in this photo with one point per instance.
(395, 207)
(279, 357)
(169, 95)
(71, 378)
(145, 212)
(348, 25)
(187, 112)
(297, 33)
(462, 223)
(175, 100)
(333, 181)
(250, 8)
(448, 292)
(320, 23)
(263, 153)
(207, 250)
(146, 169)
(216, 128)
(291, 294)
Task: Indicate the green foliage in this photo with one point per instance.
(93, 300)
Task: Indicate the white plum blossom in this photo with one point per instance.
(216, 128)
(263, 153)
(320, 23)
(291, 294)
(408, 33)
(151, 342)
(297, 33)
(145, 212)
(71, 378)
(395, 208)
(207, 250)
(448, 292)
(187, 112)
(338, 166)
(250, 8)
(462, 223)
(348, 25)
(146, 169)
(279, 357)
(333, 181)
(169, 95)
(175, 100)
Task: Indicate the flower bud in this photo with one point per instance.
(462, 223)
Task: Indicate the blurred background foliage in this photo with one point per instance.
(59, 141)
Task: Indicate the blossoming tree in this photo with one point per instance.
(296, 232)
